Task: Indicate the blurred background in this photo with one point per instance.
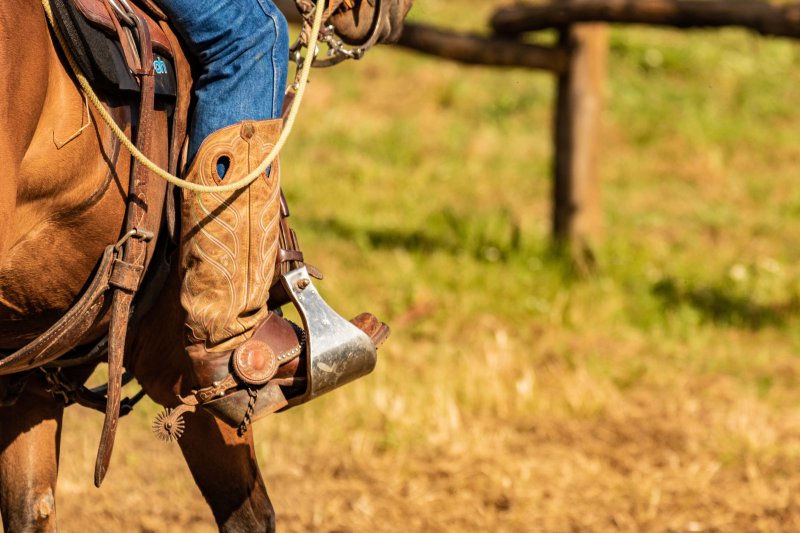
(518, 393)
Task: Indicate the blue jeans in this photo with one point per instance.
(242, 49)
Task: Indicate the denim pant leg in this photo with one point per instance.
(242, 48)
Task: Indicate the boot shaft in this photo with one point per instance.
(229, 241)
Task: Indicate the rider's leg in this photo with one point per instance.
(242, 47)
(230, 240)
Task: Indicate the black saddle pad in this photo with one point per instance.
(100, 56)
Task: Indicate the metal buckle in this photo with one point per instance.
(337, 352)
(124, 13)
(136, 233)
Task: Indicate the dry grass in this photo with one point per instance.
(659, 395)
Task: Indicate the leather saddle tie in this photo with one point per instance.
(130, 266)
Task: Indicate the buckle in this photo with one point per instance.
(135, 233)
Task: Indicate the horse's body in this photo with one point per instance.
(62, 201)
(60, 207)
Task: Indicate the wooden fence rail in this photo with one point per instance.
(477, 50)
(774, 20)
(579, 63)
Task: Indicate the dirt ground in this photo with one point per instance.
(670, 461)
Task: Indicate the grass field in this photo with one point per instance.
(660, 394)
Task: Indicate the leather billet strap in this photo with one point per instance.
(134, 254)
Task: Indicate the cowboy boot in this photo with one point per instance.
(229, 242)
(244, 358)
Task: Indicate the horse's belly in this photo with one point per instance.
(62, 203)
(44, 274)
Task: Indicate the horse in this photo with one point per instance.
(62, 201)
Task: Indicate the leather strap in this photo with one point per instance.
(132, 59)
(134, 255)
(285, 340)
(153, 9)
(178, 128)
(126, 276)
(97, 14)
(68, 330)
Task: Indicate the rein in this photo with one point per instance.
(299, 86)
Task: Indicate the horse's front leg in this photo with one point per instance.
(222, 463)
(224, 467)
(30, 432)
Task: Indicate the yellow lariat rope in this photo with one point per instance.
(175, 180)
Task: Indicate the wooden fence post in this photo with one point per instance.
(577, 217)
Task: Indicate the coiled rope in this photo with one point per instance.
(150, 165)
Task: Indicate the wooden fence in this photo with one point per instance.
(579, 64)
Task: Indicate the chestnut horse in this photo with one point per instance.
(62, 200)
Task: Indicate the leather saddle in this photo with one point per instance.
(104, 49)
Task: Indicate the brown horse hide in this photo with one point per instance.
(62, 193)
(70, 181)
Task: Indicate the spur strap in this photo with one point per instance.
(285, 342)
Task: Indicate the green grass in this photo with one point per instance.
(441, 195)
(515, 394)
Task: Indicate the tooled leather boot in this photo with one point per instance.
(229, 243)
(244, 358)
